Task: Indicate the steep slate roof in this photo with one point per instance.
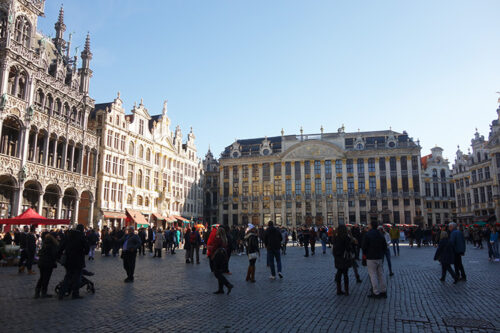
(101, 106)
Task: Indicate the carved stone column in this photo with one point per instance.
(59, 206)
(40, 202)
(75, 212)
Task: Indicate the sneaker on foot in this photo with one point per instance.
(280, 275)
(272, 277)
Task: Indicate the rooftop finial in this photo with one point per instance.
(140, 104)
(86, 48)
(164, 111)
(61, 15)
(118, 95)
(301, 130)
(321, 129)
(282, 132)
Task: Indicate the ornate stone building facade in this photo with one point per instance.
(477, 176)
(146, 172)
(327, 178)
(211, 188)
(439, 189)
(47, 154)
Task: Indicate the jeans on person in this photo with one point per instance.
(271, 254)
(388, 256)
(376, 273)
(92, 251)
(494, 248)
(447, 268)
(307, 249)
(459, 267)
(323, 245)
(395, 246)
(158, 252)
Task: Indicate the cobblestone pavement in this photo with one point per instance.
(169, 295)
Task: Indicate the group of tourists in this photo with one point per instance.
(69, 247)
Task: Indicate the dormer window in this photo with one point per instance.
(359, 146)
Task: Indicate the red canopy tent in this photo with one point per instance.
(32, 217)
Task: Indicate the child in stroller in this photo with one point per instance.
(83, 282)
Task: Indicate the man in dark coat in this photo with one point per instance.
(306, 238)
(73, 248)
(130, 244)
(142, 237)
(272, 240)
(374, 247)
(20, 239)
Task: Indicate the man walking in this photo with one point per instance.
(131, 242)
(457, 242)
(195, 241)
(374, 247)
(272, 240)
(394, 233)
(74, 247)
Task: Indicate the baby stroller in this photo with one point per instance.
(83, 282)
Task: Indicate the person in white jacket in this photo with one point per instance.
(388, 250)
(159, 240)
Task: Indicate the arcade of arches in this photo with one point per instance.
(50, 202)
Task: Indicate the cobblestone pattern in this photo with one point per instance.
(169, 295)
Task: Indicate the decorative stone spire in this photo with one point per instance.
(282, 132)
(85, 72)
(60, 27)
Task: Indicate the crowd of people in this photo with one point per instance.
(369, 245)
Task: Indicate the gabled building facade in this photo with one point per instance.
(146, 172)
(476, 177)
(439, 189)
(47, 153)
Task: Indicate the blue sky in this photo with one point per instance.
(244, 69)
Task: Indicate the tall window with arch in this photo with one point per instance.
(141, 151)
(131, 148)
(17, 82)
(23, 31)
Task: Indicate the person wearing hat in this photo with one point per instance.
(252, 245)
(130, 244)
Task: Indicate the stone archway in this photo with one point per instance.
(8, 186)
(51, 201)
(70, 204)
(31, 195)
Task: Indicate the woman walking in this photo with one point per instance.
(342, 252)
(47, 257)
(252, 245)
(446, 257)
(158, 243)
(494, 243)
(219, 258)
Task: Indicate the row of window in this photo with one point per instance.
(481, 195)
(315, 167)
(117, 141)
(436, 190)
(363, 204)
